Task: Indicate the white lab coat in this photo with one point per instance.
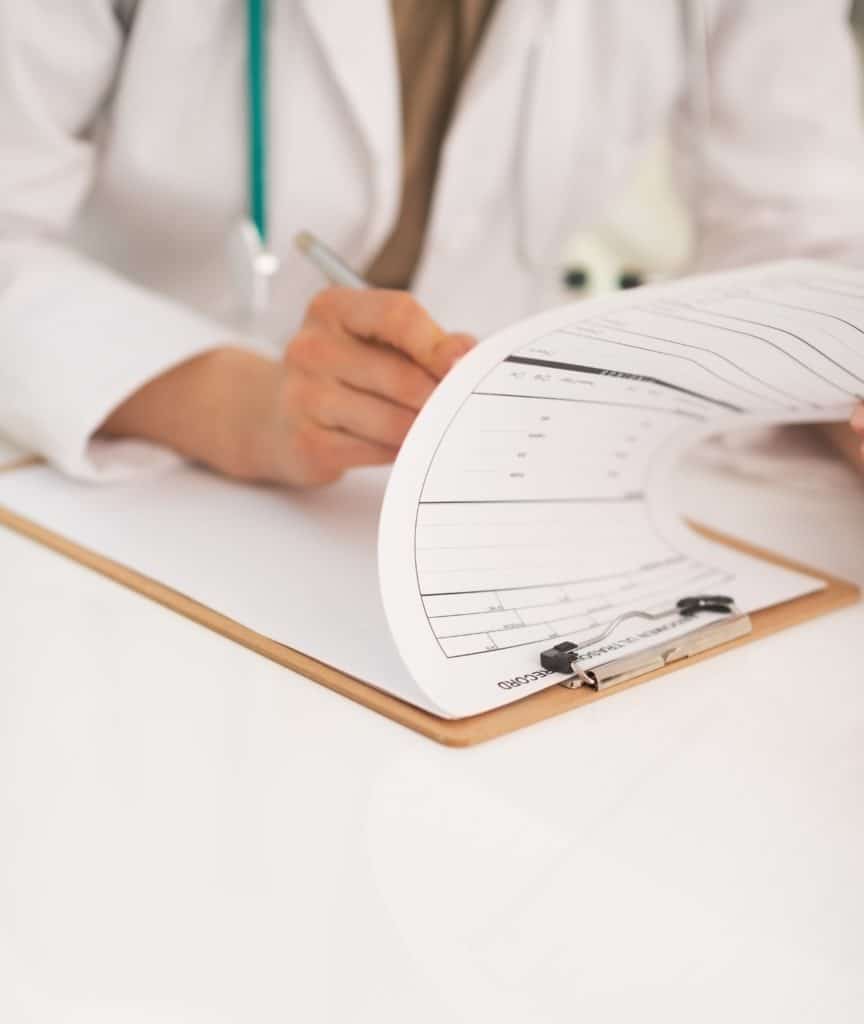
(122, 171)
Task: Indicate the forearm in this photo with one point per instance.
(213, 408)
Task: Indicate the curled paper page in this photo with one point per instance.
(528, 504)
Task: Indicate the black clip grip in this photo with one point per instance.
(560, 658)
(719, 603)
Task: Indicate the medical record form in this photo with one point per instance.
(528, 507)
(529, 504)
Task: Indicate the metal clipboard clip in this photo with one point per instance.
(564, 657)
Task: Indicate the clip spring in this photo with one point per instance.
(561, 657)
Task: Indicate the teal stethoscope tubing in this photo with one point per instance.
(256, 59)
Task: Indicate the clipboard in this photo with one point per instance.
(463, 732)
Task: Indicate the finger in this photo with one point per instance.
(858, 419)
(465, 340)
(362, 415)
(396, 319)
(374, 368)
(328, 454)
(343, 451)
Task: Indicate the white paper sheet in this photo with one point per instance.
(297, 567)
(528, 505)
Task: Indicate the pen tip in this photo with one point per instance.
(303, 240)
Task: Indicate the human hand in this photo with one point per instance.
(857, 424)
(345, 393)
(354, 377)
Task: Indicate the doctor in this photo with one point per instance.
(446, 146)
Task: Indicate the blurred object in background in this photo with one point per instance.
(648, 234)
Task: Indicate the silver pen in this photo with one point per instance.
(331, 266)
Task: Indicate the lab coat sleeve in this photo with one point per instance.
(773, 166)
(75, 338)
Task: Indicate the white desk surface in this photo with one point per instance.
(189, 833)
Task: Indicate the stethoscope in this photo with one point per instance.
(256, 264)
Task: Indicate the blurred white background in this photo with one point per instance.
(647, 235)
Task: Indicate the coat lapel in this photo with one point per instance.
(485, 138)
(356, 40)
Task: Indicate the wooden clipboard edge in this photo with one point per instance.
(453, 733)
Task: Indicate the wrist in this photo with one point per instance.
(216, 408)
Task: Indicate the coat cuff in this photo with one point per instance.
(76, 340)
